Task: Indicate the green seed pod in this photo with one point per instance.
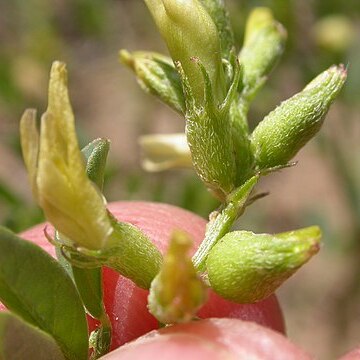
(245, 267)
(285, 130)
(263, 46)
(177, 292)
(156, 75)
(189, 31)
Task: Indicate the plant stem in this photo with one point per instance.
(101, 338)
(222, 222)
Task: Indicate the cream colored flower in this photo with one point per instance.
(56, 168)
(163, 152)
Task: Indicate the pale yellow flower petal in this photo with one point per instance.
(29, 138)
(163, 152)
(71, 202)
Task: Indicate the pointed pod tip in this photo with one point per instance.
(339, 71)
(343, 70)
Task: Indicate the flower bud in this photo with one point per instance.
(177, 292)
(263, 45)
(163, 152)
(334, 33)
(56, 167)
(189, 32)
(220, 16)
(157, 75)
(284, 131)
(245, 267)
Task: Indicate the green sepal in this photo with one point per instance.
(156, 75)
(263, 46)
(245, 267)
(220, 16)
(209, 133)
(285, 130)
(221, 221)
(20, 340)
(177, 292)
(35, 287)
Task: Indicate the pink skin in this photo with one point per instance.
(352, 355)
(215, 339)
(126, 304)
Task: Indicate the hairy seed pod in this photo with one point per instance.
(284, 131)
(245, 267)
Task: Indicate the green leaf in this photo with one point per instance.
(35, 286)
(20, 340)
(96, 155)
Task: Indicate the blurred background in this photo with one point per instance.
(322, 301)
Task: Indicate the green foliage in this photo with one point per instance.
(28, 276)
(19, 339)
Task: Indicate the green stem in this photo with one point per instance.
(223, 222)
(241, 140)
(100, 339)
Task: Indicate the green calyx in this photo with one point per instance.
(245, 267)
